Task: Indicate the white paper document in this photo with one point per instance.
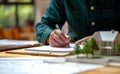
(51, 49)
(38, 66)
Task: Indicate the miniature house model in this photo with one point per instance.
(107, 40)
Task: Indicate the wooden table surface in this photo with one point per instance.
(105, 70)
(9, 55)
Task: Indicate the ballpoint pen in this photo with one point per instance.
(67, 44)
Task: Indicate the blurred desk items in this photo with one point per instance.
(17, 44)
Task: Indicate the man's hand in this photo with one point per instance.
(58, 39)
(81, 41)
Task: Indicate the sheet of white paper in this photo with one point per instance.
(51, 49)
(37, 66)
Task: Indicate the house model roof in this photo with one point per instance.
(108, 35)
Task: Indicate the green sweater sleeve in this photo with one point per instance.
(54, 14)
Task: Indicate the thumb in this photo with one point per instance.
(68, 38)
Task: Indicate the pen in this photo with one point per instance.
(67, 45)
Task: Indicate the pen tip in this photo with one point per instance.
(67, 45)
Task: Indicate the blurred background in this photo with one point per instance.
(18, 17)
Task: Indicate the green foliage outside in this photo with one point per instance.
(88, 48)
(26, 12)
(19, 1)
(8, 17)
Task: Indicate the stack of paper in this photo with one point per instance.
(50, 49)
